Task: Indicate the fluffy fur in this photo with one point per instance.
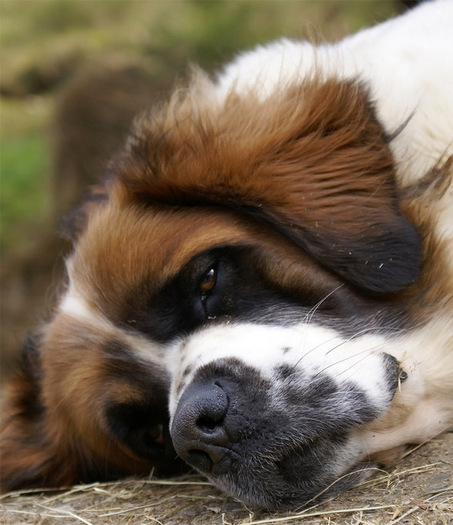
(264, 282)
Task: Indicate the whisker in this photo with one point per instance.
(335, 347)
(355, 336)
(311, 313)
(364, 353)
(316, 307)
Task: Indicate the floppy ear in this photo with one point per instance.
(312, 161)
(34, 452)
(44, 442)
(28, 457)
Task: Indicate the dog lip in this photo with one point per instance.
(393, 372)
(217, 462)
(200, 460)
(403, 375)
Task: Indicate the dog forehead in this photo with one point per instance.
(122, 246)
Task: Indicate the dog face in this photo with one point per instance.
(230, 294)
(235, 263)
(210, 322)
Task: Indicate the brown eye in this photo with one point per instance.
(208, 281)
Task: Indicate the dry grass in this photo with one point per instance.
(418, 491)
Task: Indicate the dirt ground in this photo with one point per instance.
(419, 490)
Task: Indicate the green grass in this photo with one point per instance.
(24, 197)
(24, 169)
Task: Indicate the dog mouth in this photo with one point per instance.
(292, 477)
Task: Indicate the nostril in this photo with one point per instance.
(200, 460)
(208, 408)
(208, 424)
(199, 429)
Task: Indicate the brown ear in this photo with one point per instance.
(381, 256)
(28, 457)
(31, 453)
(23, 450)
(312, 161)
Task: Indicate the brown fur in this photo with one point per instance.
(301, 159)
(324, 132)
(435, 286)
(316, 175)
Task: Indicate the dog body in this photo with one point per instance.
(265, 280)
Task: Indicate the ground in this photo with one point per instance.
(419, 490)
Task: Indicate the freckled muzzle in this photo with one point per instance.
(261, 441)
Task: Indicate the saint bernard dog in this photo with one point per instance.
(262, 288)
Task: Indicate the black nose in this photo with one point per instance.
(199, 430)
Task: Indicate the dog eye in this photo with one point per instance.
(208, 281)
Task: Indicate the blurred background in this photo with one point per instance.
(73, 75)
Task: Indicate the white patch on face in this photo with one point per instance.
(308, 348)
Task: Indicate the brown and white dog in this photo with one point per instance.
(265, 282)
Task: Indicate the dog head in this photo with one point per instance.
(223, 285)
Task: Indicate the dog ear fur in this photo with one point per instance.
(43, 443)
(35, 451)
(29, 455)
(311, 161)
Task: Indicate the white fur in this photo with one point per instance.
(407, 63)
(309, 348)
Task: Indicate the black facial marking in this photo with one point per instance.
(219, 285)
(283, 372)
(215, 285)
(392, 371)
(141, 420)
(143, 428)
